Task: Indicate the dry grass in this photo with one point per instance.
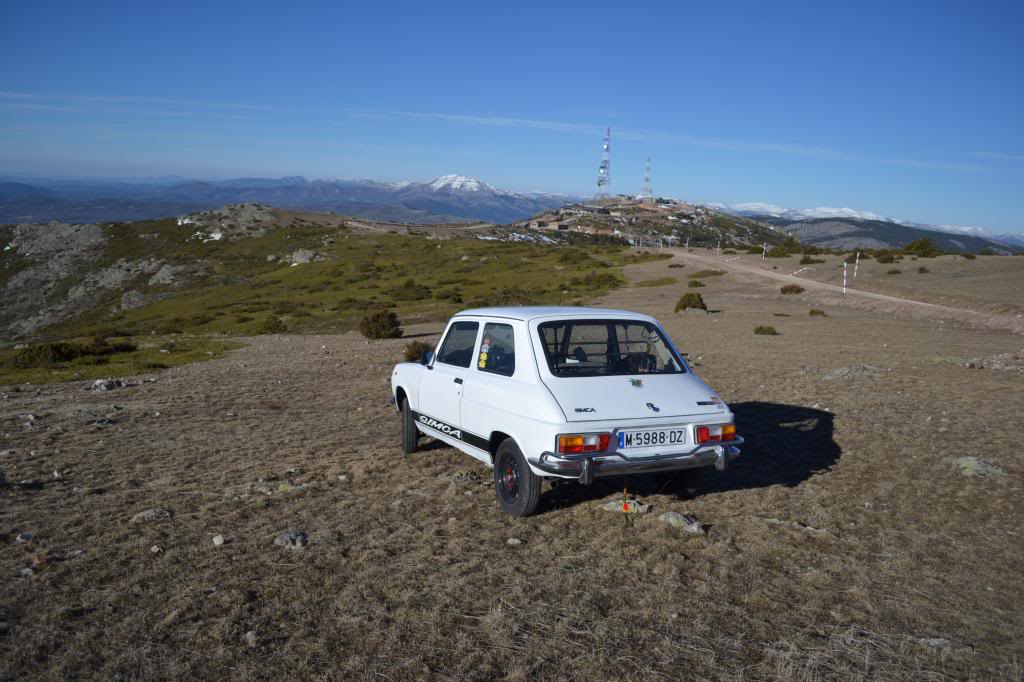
(409, 576)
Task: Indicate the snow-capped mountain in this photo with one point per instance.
(774, 211)
(443, 199)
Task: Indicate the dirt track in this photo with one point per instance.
(842, 540)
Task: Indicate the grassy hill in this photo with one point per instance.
(246, 271)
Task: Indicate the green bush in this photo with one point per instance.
(676, 265)
(923, 248)
(695, 284)
(45, 355)
(792, 289)
(968, 256)
(273, 325)
(707, 273)
(778, 252)
(923, 270)
(886, 258)
(381, 325)
(765, 330)
(691, 300)
(807, 260)
(894, 271)
(815, 312)
(414, 351)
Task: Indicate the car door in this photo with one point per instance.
(441, 385)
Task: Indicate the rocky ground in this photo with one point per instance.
(254, 517)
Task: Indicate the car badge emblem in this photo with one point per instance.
(654, 407)
(636, 383)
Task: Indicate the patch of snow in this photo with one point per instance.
(457, 183)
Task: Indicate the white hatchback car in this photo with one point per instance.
(562, 393)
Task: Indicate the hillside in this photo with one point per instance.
(248, 269)
(665, 222)
(449, 198)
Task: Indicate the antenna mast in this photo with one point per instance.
(604, 173)
(645, 191)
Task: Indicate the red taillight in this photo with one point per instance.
(576, 443)
(716, 433)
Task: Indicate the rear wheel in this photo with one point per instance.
(410, 435)
(516, 486)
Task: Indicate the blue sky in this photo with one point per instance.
(912, 110)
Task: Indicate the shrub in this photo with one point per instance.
(924, 248)
(815, 312)
(792, 289)
(894, 271)
(676, 265)
(968, 256)
(729, 252)
(886, 258)
(778, 252)
(755, 249)
(765, 330)
(695, 284)
(986, 252)
(414, 351)
(923, 270)
(45, 355)
(409, 291)
(807, 260)
(707, 273)
(242, 319)
(691, 300)
(381, 325)
(273, 325)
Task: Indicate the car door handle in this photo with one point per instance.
(458, 380)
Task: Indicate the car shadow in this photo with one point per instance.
(784, 445)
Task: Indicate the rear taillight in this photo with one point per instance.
(716, 433)
(576, 443)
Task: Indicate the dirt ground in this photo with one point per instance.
(845, 543)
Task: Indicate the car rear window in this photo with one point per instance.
(457, 348)
(586, 348)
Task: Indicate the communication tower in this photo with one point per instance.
(604, 172)
(645, 191)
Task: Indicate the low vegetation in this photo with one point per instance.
(695, 284)
(414, 351)
(765, 330)
(690, 301)
(792, 289)
(660, 282)
(922, 270)
(700, 274)
(817, 312)
(894, 271)
(807, 260)
(381, 325)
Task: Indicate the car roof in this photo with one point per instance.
(527, 313)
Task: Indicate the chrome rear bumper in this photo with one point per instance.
(588, 466)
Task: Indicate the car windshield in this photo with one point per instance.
(588, 348)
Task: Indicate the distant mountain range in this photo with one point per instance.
(449, 198)
(847, 228)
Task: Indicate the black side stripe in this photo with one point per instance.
(452, 431)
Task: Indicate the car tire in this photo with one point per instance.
(410, 434)
(515, 485)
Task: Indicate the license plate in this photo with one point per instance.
(651, 438)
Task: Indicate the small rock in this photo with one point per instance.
(218, 540)
(107, 384)
(342, 477)
(24, 537)
(292, 539)
(27, 573)
(156, 549)
(250, 639)
(156, 514)
(57, 475)
(684, 521)
(7, 453)
(513, 541)
(940, 643)
(973, 466)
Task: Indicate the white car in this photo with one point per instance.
(562, 393)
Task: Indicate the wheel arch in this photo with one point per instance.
(496, 439)
(400, 395)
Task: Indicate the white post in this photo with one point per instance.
(764, 251)
(844, 276)
(718, 252)
(856, 264)
(687, 241)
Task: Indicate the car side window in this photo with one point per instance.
(497, 352)
(457, 348)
